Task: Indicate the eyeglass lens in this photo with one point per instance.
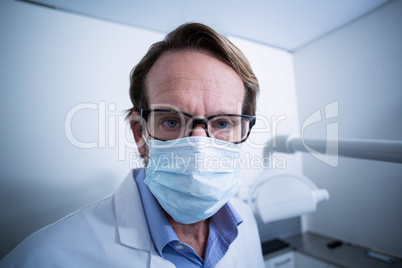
(173, 125)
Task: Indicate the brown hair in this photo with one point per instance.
(198, 37)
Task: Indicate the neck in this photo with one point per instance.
(195, 234)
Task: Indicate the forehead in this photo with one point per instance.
(195, 82)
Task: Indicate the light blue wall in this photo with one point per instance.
(50, 62)
(360, 66)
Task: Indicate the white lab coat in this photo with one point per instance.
(114, 232)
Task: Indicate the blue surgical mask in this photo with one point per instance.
(193, 177)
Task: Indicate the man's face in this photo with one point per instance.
(194, 82)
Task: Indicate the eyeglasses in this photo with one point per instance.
(163, 124)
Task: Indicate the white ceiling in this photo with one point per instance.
(286, 24)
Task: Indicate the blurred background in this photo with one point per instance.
(64, 82)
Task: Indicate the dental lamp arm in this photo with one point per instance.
(381, 150)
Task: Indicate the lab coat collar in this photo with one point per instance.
(132, 224)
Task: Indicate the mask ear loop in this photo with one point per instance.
(145, 156)
(145, 139)
(134, 121)
(142, 131)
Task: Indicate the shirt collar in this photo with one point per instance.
(225, 223)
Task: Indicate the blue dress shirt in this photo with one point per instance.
(222, 232)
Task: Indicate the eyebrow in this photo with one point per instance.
(219, 112)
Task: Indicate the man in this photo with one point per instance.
(194, 98)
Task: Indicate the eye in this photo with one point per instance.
(222, 124)
(170, 123)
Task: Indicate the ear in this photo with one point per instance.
(136, 128)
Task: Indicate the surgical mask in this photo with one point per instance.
(193, 177)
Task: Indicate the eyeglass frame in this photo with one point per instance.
(197, 121)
